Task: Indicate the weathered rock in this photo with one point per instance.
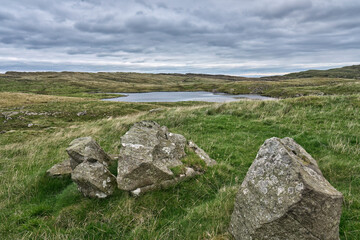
(147, 154)
(285, 196)
(202, 154)
(189, 173)
(62, 169)
(86, 149)
(94, 179)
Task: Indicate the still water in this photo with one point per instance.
(184, 96)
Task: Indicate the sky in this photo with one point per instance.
(235, 37)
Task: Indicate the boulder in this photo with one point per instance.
(86, 149)
(62, 169)
(148, 152)
(285, 196)
(94, 179)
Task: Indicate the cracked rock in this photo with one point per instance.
(285, 196)
(94, 179)
(86, 149)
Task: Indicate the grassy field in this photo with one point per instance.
(59, 109)
(98, 85)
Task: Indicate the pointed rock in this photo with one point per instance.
(285, 196)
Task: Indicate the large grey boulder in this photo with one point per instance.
(86, 149)
(94, 179)
(148, 156)
(285, 196)
(148, 152)
(62, 169)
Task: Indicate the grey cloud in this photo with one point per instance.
(181, 33)
(282, 9)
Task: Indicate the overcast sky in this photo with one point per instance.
(238, 37)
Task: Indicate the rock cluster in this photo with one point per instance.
(147, 155)
(285, 196)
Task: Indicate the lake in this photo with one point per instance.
(184, 96)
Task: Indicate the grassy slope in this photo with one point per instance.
(86, 84)
(344, 72)
(34, 206)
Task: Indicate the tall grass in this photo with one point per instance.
(34, 206)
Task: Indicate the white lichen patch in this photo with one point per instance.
(280, 190)
(167, 150)
(104, 184)
(299, 187)
(262, 185)
(136, 146)
(101, 195)
(313, 173)
(136, 192)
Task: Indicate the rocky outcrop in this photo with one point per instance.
(147, 155)
(150, 158)
(285, 196)
(62, 169)
(86, 149)
(94, 179)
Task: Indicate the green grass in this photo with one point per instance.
(99, 85)
(34, 206)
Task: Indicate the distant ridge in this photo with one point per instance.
(343, 72)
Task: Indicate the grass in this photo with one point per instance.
(99, 85)
(41, 113)
(34, 206)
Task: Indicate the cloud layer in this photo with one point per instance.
(230, 37)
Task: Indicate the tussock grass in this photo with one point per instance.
(8, 99)
(35, 206)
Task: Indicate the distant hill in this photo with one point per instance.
(344, 72)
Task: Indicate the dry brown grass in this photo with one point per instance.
(9, 99)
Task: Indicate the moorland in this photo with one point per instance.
(42, 112)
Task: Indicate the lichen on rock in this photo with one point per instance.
(285, 196)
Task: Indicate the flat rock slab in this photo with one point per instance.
(285, 196)
(94, 179)
(62, 169)
(86, 149)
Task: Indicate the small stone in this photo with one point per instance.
(83, 113)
